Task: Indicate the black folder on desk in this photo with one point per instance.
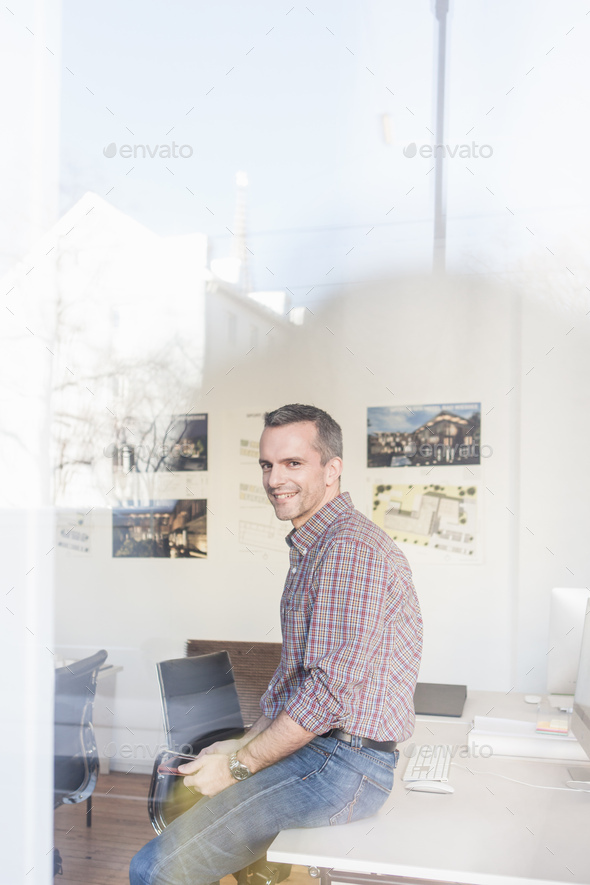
(439, 699)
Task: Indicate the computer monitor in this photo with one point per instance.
(580, 723)
(566, 623)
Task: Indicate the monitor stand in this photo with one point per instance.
(579, 777)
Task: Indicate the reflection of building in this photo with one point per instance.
(137, 325)
(140, 321)
(129, 326)
(240, 320)
(237, 325)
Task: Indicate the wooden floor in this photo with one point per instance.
(100, 854)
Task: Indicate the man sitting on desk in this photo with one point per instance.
(323, 752)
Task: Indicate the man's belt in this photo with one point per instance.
(384, 746)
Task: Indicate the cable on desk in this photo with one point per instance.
(524, 783)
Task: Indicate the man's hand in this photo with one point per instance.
(225, 747)
(266, 743)
(209, 774)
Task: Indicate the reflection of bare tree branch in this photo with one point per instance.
(163, 456)
(142, 392)
(10, 434)
(149, 410)
(65, 464)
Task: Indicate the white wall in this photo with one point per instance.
(555, 479)
(457, 340)
(430, 342)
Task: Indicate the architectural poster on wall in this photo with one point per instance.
(424, 436)
(159, 459)
(155, 443)
(73, 530)
(250, 429)
(435, 521)
(170, 529)
(166, 485)
(259, 531)
(186, 442)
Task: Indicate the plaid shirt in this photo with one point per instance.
(352, 631)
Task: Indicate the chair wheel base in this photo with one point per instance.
(263, 872)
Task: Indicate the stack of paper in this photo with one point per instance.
(553, 722)
(514, 737)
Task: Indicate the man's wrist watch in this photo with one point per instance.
(238, 770)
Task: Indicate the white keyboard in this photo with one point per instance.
(429, 762)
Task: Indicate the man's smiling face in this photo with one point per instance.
(294, 478)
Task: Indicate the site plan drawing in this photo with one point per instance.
(436, 522)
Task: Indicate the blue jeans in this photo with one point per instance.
(327, 782)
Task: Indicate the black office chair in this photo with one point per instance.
(200, 705)
(75, 754)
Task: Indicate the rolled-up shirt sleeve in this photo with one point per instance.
(351, 619)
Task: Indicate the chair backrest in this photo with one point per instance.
(75, 753)
(199, 700)
(254, 664)
(200, 705)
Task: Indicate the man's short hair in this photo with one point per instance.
(328, 440)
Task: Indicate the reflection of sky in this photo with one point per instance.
(294, 96)
(393, 419)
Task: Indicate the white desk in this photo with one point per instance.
(490, 831)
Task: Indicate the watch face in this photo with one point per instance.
(239, 771)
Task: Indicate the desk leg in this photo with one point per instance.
(325, 876)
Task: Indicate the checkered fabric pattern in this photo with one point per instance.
(352, 630)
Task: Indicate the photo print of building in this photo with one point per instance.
(186, 443)
(168, 529)
(152, 445)
(422, 436)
